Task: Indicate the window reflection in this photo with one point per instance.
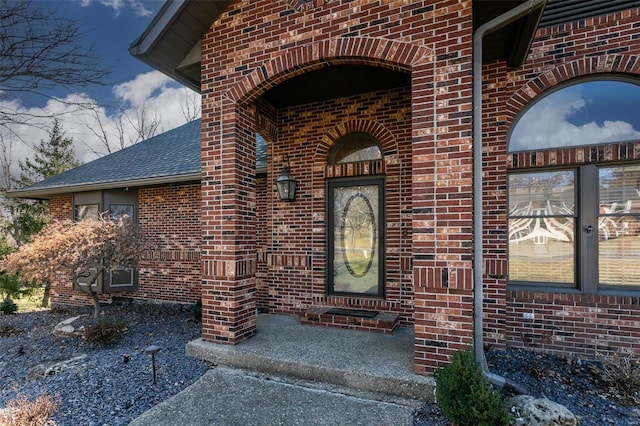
(619, 225)
(87, 212)
(585, 113)
(542, 227)
(124, 211)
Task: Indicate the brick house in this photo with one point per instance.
(157, 182)
(435, 144)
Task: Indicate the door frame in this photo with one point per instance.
(330, 243)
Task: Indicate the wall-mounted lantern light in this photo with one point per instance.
(285, 183)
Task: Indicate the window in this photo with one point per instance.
(87, 211)
(542, 227)
(355, 147)
(125, 211)
(582, 113)
(117, 203)
(619, 226)
(575, 228)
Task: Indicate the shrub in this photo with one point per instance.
(12, 286)
(622, 375)
(8, 306)
(197, 311)
(465, 395)
(21, 412)
(104, 331)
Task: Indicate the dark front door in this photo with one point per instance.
(356, 236)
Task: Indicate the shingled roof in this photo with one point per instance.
(170, 157)
(173, 156)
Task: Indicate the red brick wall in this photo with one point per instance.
(169, 217)
(297, 238)
(575, 323)
(255, 45)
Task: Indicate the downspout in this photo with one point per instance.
(478, 36)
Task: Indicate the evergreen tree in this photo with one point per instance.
(51, 157)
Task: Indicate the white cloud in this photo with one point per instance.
(546, 125)
(139, 8)
(141, 88)
(152, 91)
(118, 6)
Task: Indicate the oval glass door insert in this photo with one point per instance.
(358, 233)
(356, 240)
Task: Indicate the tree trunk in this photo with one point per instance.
(45, 295)
(93, 278)
(96, 304)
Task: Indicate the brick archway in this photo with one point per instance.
(381, 52)
(621, 64)
(387, 142)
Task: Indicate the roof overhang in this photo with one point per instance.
(171, 43)
(48, 193)
(511, 42)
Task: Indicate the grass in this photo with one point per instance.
(32, 302)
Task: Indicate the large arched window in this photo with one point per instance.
(583, 113)
(577, 226)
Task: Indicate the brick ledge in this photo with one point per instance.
(383, 322)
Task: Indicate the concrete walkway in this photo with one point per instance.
(293, 374)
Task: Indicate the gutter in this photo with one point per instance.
(478, 36)
(47, 193)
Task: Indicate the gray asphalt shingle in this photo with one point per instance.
(173, 153)
(169, 155)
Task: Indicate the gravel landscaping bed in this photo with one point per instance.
(114, 384)
(576, 384)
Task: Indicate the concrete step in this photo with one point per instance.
(362, 361)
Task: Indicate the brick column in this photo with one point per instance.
(228, 221)
(443, 195)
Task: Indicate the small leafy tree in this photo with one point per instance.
(83, 249)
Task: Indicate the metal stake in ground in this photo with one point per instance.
(153, 350)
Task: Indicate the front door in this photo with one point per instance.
(356, 236)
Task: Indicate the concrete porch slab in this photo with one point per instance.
(373, 362)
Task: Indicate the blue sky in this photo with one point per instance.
(110, 26)
(584, 113)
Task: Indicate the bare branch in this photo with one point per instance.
(190, 105)
(41, 53)
(146, 127)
